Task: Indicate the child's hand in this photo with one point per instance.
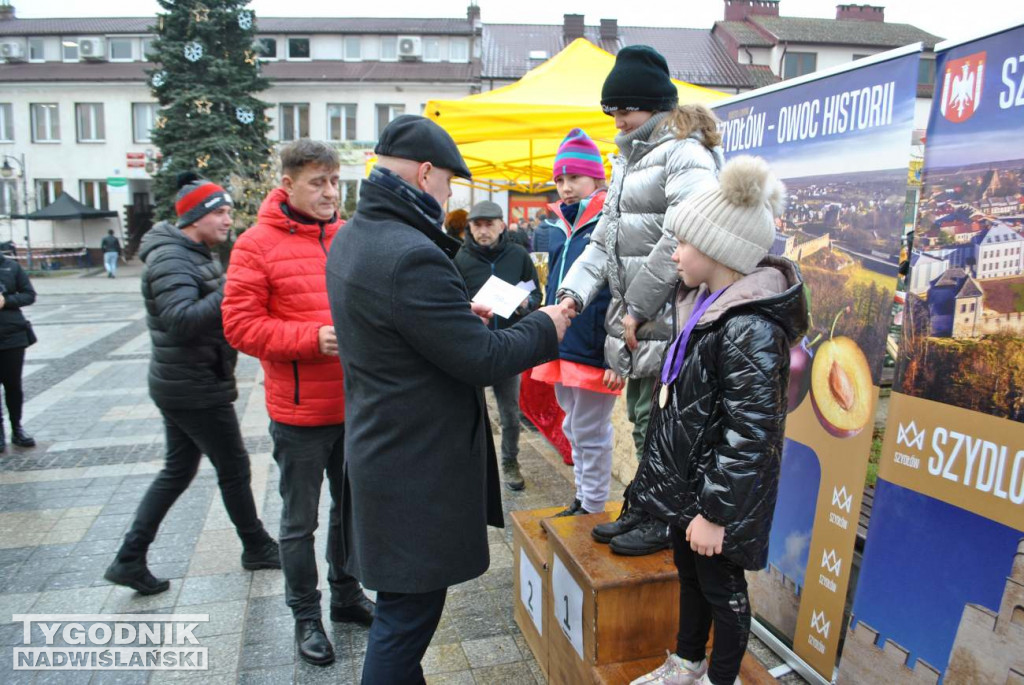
(629, 326)
(705, 537)
(613, 381)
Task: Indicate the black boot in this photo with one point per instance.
(649, 537)
(312, 642)
(262, 556)
(20, 438)
(513, 478)
(361, 612)
(628, 519)
(135, 574)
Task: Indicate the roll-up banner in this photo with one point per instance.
(841, 141)
(940, 596)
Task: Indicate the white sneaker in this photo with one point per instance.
(673, 672)
(704, 680)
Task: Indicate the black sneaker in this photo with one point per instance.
(361, 612)
(20, 438)
(136, 575)
(267, 555)
(510, 472)
(649, 537)
(628, 520)
(574, 509)
(312, 642)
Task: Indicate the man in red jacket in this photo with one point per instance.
(275, 308)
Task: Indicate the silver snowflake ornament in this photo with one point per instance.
(159, 78)
(193, 51)
(245, 115)
(245, 20)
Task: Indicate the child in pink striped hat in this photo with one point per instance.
(582, 383)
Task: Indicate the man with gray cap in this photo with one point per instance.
(421, 480)
(490, 251)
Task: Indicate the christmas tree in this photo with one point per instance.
(207, 70)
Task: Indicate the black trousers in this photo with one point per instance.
(403, 625)
(304, 454)
(12, 362)
(190, 434)
(711, 588)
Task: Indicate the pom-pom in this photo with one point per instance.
(748, 181)
(186, 177)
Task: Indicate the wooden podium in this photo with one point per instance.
(601, 617)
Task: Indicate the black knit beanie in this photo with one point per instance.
(639, 81)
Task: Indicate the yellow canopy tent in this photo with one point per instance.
(509, 136)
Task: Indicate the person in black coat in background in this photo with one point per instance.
(15, 335)
(192, 382)
(421, 479)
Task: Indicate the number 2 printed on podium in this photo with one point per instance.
(531, 590)
(567, 598)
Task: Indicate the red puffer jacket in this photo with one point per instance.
(275, 302)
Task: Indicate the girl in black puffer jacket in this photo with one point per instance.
(714, 444)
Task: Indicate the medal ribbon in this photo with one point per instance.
(674, 359)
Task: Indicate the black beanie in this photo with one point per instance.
(639, 81)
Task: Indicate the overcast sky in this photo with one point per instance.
(945, 18)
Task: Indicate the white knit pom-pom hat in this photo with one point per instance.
(734, 224)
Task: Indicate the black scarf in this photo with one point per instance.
(420, 201)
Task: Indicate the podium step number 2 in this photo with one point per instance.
(531, 591)
(567, 597)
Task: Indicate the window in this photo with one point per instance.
(94, 194)
(36, 50)
(385, 113)
(341, 122)
(458, 50)
(353, 47)
(389, 48)
(8, 197)
(90, 122)
(6, 122)
(267, 47)
(857, 57)
(294, 122)
(298, 48)
(120, 49)
(47, 191)
(45, 123)
(143, 120)
(926, 72)
(963, 308)
(799, 63)
(431, 49)
(148, 49)
(70, 49)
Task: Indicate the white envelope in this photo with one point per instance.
(503, 298)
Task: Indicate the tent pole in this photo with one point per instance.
(531, 164)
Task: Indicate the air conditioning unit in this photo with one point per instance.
(410, 47)
(12, 51)
(92, 48)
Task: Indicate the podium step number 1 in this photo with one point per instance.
(531, 591)
(567, 596)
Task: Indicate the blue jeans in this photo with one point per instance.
(304, 454)
(403, 625)
(110, 262)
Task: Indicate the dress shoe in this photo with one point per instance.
(361, 612)
(312, 642)
(135, 574)
(649, 537)
(267, 555)
(20, 438)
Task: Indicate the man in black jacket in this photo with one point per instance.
(421, 480)
(192, 381)
(490, 251)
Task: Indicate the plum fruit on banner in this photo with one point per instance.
(841, 141)
(940, 596)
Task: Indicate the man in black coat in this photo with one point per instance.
(490, 251)
(421, 481)
(192, 382)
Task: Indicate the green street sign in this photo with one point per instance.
(117, 181)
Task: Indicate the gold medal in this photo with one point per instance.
(663, 396)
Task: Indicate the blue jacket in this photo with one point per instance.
(584, 341)
(542, 236)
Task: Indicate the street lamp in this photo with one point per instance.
(7, 171)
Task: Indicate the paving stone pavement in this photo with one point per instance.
(65, 505)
